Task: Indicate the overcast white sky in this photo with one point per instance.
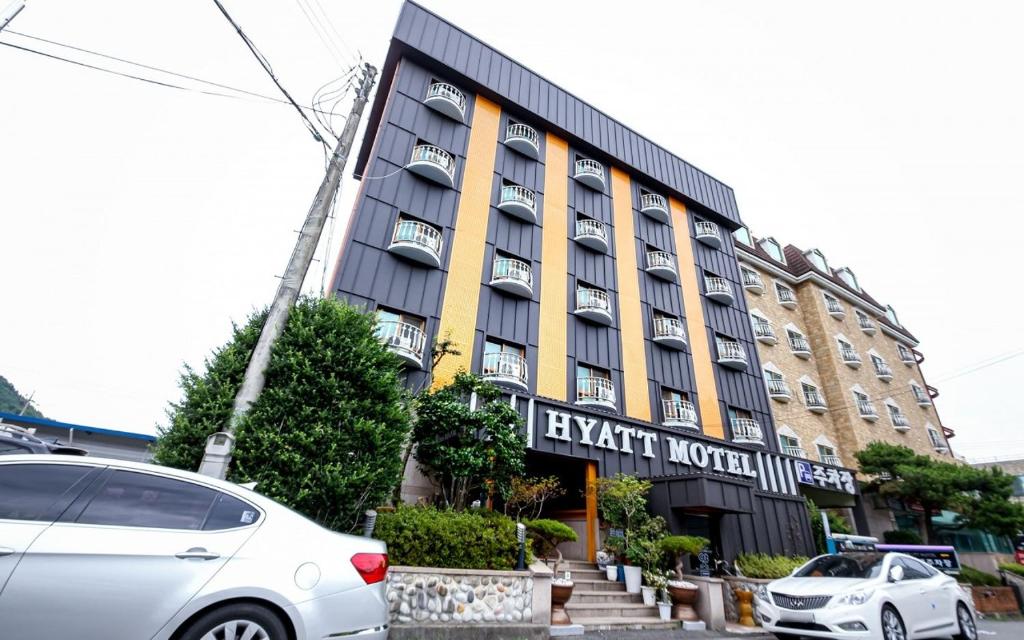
(137, 221)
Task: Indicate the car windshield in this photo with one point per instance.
(846, 565)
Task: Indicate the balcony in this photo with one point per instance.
(523, 139)
(815, 403)
(512, 276)
(799, 346)
(660, 264)
(595, 391)
(679, 413)
(746, 430)
(718, 289)
(920, 397)
(654, 206)
(732, 355)
(417, 241)
(445, 98)
(752, 282)
(899, 421)
(938, 443)
(594, 305)
(907, 356)
(669, 332)
(505, 368)
(590, 172)
(835, 308)
(832, 460)
(403, 339)
(883, 372)
(764, 332)
(708, 233)
(434, 164)
(866, 325)
(796, 452)
(518, 202)
(778, 390)
(867, 410)
(786, 297)
(850, 357)
(592, 235)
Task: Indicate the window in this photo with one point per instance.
(784, 293)
(229, 513)
(130, 499)
(773, 249)
(750, 278)
(846, 275)
(671, 395)
(9, 447)
(743, 235)
(864, 322)
(739, 414)
(896, 416)
(832, 305)
(491, 346)
(846, 350)
(587, 371)
(914, 569)
(817, 258)
(812, 397)
(827, 454)
(864, 406)
(797, 341)
(906, 355)
(386, 315)
(504, 362)
(38, 491)
(890, 313)
(790, 445)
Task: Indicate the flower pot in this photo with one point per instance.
(684, 598)
(649, 595)
(665, 610)
(611, 571)
(561, 591)
(634, 578)
(620, 575)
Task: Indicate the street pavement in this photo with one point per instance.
(987, 629)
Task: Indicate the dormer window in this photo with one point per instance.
(773, 249)
(817, 258)
(846, 275)
(890, 313)
(743, 235)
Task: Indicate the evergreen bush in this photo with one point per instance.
(432, 537)
(978, 578)
(764, 566)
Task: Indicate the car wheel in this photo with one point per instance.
(892, 624)
(964, 619)
(235, 622)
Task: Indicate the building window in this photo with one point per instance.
(504, 362)
(791, 446)
(865, 323)
(828, 455)
(744, 427)
(864, 406)
(678, 409)
(798, 343)
(817, 258)
(743, 235)
(896, 416)
(848, 353)
(920, 396)
(906, 355)
(777, 387)
(751, 280)
(763, 330)
(832, 305)
(890, 313)
(773, 249)
(882, 370)
(594, 386)
(812, 396)
(939, 443)
(785, 295)
(403, 334)
(846, 275)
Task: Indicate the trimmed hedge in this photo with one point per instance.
(431, 537)
(1012, 567)
(977, 578)
(764, 566)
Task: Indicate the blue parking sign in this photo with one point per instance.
(804, 472)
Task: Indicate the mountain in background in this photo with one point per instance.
(11, 401)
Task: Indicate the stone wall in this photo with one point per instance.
(732, 612)
(419, 595)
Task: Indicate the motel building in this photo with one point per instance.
(587, 271)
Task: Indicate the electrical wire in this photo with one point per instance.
(321, 33)
(337, 36)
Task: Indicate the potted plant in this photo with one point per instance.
(548, 534)
(684, 594)
(633, 568)
(654, 582)
(664, 603)
(615, 545)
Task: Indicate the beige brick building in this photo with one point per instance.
(841, 370)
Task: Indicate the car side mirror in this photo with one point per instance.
(895, 573)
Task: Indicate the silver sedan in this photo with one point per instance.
(96, 549)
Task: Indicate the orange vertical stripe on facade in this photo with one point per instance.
(462, 291)
(551, 341)
(703, 365)
(635, 392)
(591, 493)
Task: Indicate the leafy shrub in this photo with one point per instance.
(901, 536)
(836, 524)
(764, 566)
(431, 537)
(1012, 567)
(978, 578)
(681, 546)
(548, 534)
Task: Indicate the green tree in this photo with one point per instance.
(325, 436)
(467, 451)
(13, 402)
(993, 510)
(836, 524)
(622, 502)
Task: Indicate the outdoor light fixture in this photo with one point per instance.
(369, 523)
(521, 536)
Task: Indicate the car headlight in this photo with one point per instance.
(855, 597)
(762, 592)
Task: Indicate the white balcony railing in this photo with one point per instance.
(831, 459)
(718, 289)
(405, 340)
(446, 99)
(898, 419)
(786, 297)
(732, 354)
(523, 139)
(590, 172)
(834, 307)
(865, 324)
(920, 397)
(594, 304)
(813, 400)
(506, 367)
(882, 371)
(867, 410)
(746, 430)
(670, 330)
(764, 332)
(433, 163)
(518, 201)
(655, 206)
(796, 452)
(596, 391)
(592, 233)
(850, 357)
(417, 241)
(660, 263)
(679, 413)
(708, 233)
(514, 276)
(752, 282)
(778, 389)
(799, 346)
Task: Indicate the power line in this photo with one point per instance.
(321, 32)
(266, 67)
(337, 36)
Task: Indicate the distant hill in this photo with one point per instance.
(11, 401)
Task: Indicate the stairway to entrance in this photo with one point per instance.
(598, 603)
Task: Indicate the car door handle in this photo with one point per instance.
(197, 553)
(4, 551)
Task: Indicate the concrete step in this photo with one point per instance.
(610, 609)
(579, 564)
(580, 596)
(601, 584)
(605, 623)
(591, 573)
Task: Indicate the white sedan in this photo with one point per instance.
(881, 596)
(97, 549)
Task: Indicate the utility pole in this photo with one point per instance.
(10, 12)
(217, 455)
(28, 403)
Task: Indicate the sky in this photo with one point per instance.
(138, 221)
